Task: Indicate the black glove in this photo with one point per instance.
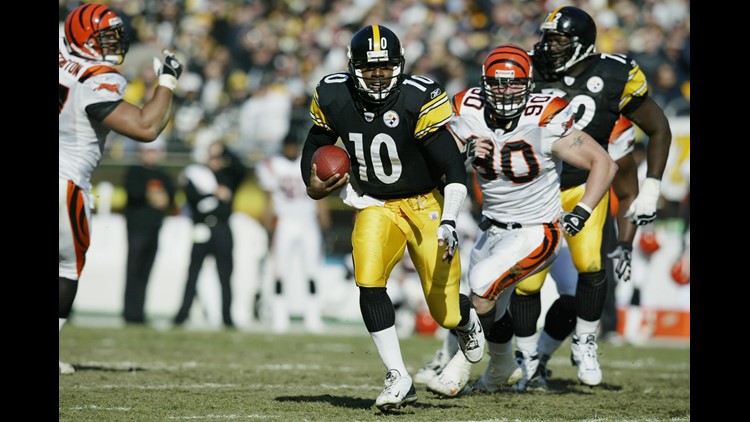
(574, 221)
(621, 258)
(169, 71)
(447, 236)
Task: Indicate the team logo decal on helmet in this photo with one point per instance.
(376, 50)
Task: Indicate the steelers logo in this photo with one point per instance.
(391, 119)
(595, 84)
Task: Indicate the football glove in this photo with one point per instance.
(470, 151)
(621, 257)
(643, 209)
(169, 71)
(448, 236)
(574, 221)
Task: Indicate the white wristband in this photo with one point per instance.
(584, 206)
(454, 198)
(650, 188)
(168, 81)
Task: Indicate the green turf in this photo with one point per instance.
(144, 374)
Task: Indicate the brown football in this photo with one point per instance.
(330, 160)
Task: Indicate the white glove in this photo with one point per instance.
(448, 236)
(169, 71)
(643, 209)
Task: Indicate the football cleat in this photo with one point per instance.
(432, 368)
(500, 372)
(533, 377)
(66, 368)
(472, 341)
(583, 356)
(398, 392)
(453, 378)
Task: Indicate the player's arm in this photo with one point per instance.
(316, 188)
(651, 119)
(145, 124)
(443, 150)
(581, 150)
(625, 185)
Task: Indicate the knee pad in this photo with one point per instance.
(377, 308)
(502, 330)
(561, 318)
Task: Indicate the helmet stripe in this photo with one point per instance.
(552, 14)
(376, 37)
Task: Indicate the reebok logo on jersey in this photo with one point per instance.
(108, 87)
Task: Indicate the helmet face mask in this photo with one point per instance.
(507, 81)
(95, 32)
(376, 60)
(568, 36)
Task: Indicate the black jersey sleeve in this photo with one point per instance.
(444, 152)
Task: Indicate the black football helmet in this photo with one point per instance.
(372, 46)
(554, 57)
(507, 76)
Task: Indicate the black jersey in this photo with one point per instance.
(385, 143)
(609, 85)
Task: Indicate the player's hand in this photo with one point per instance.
(477, 150)
(573, 222)
(169, 71)
(621, 258)
(448, 236)
(319, 189)
(643, 209)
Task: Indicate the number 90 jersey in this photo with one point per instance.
(609, 85)
(385, 144)
(520, 183)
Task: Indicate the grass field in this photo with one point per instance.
(145, 374)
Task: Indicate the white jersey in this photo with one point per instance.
(281, 177)
(622, 138)
(521, 182)
(82, 83)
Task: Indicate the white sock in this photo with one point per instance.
(62, 322)
(450, 344)
(547, 345)
(527, 344)
(386, 342)
(584, 328)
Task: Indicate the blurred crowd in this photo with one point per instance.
(252, 65)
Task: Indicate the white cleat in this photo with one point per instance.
(66, 368)
(432, 368)
(498, 375)
(534, 377)
(472, 341)
(453, 378)
(398, 392)
(583, 354)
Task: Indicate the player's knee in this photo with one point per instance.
(502, 330)
(529, 286)
(377, 308)
(593, 278)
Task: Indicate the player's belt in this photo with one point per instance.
(487, 222)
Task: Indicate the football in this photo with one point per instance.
(330, 160)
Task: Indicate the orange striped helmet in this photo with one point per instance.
(95, 32)
(507, 80)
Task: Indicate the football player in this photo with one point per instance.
(295, 222)
(599, 87)
(392, 125)
(91, 106)
(516, 141)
